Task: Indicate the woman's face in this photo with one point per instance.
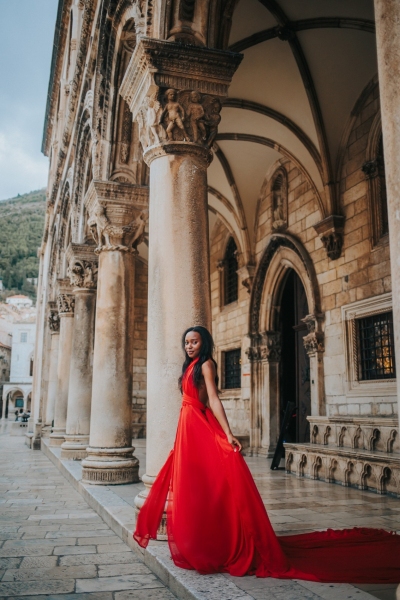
(193, 344)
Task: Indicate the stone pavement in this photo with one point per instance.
(52, 544)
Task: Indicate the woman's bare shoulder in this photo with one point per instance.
(208, 367)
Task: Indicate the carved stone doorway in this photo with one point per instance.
(295, 362)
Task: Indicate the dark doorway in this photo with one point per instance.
(295, 363)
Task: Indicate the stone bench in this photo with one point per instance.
(363, 469)
(378, 434)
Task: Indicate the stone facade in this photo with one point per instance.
(177, 133)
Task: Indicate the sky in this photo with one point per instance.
(26, 43)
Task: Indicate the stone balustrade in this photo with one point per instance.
(353, 451)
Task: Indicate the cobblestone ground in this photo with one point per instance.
(53, 545)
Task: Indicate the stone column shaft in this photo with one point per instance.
(174, 93)
(387, 20)
(65, 308)
(53, 379)
(110, 457)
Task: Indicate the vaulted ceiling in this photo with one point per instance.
(305, 65)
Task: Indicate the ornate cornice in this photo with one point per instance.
(158, 64)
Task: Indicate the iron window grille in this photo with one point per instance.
(232, 369)
(231, 276)
(376, 347)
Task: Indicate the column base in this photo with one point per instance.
(110, 466)
(74, 447)
(57, 437)
(140, 499)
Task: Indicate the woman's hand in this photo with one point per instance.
(236, 445)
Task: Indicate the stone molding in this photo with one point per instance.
(330, 231)
(82, 267)
(53, 318)
(176, 148)
(174, 92)
(118, 214)
(265, 346)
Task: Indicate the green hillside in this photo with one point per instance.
(21, 231)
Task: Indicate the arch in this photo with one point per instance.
(282, 251)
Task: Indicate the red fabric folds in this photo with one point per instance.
(217, 522)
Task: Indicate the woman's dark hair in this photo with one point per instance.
(206, 351)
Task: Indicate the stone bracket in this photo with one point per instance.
(330, 231)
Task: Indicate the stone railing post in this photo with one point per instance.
(174, 93)
(82, 272)
(118, 216)
(65, 304)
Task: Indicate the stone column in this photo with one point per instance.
(387, 22)
(314, 346)
(265, 356)
(65, 303)
(117, 219)
(175, 93)
(83, 276)
(54, 326)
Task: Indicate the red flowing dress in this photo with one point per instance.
(217, 522)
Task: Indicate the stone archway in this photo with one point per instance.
(282, 254)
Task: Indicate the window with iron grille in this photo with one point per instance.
(231, 276)
(376, 347)
(232, 369)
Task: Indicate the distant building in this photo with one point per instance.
(17, 392)
(20, 301)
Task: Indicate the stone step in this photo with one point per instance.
(363, 469)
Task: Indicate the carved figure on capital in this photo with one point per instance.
(65, 304)
(266, 346)
(116, 237)
(54, 321)
(173, 115)
(83, 274)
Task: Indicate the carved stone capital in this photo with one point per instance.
(265, 346)
(204, 155)
(314, 342)
(174, 91)
(82, 266)
(65, 304)
(330, 231)
(118, 214)
(53, 318)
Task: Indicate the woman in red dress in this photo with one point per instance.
(216, 519)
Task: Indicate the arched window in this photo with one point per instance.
(231, 276)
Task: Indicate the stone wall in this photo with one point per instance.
(140, 351)
(230, 326)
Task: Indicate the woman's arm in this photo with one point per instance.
(208, 371)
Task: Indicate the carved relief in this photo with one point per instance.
(330, 231)
(83, 274)
(279, 201)
(266, 346)
(181, 116)
(65, 304)
(54, 320)
(116, 237)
